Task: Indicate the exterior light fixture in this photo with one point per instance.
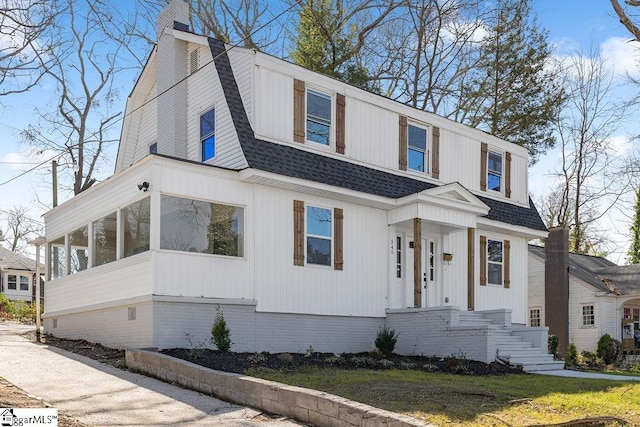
(144, 186)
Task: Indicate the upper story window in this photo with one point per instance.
(494, 262)
(494, 171)
(417, 157)
(319, 235)
(318, 117)
(207, 135)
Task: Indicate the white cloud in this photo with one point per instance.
(26, 159)
(621, 55)
(620, 144)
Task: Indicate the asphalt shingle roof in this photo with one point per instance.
(10, 259)
(292, 162)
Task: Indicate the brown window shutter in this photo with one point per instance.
(402, 137)
(340, 123)
(483, 260)
(507, 175)
(298, 110)
(435, 153)
(506, 260)
(298, 232)
(483, 166)
(338, 256)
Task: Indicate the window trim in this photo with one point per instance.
(399, 256)
(538, 318)
(331, 238)
(591, 317)
(15, 282)
(493, 172)
(427, 148)
(330, 97)
(28, 283)
(203, 138)
(501, 262)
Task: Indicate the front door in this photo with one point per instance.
(429, 271)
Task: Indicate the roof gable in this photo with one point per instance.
(10, 260)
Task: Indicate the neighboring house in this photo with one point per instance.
(602, 297)
(309, 212)
(17, 276)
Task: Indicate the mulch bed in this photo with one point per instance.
(243, 363)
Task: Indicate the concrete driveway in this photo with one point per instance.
(98, 394)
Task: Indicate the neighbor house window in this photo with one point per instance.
(12, 282)
(202, 227)
(417, 154)
(494, 171)
(79, 249)
(135, 218)
(318, 117)
(534, 317)
(588, 315)
(494, 262)
(57, 258)
(636, 314)
(24, 283)
(319, 235)
(104, 240)
(627, 313)
(208, 135)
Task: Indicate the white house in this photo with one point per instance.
(308, 211)
(602, 298)
(17, 276)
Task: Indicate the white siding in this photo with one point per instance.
(609, 320)
(204, 91)
(490, 297)
(17, 294)
(274, 106)
(536, 287)
(243, 64)
(584, 337)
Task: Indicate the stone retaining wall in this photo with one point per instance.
(307, 406)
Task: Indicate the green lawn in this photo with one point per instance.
(454, 400)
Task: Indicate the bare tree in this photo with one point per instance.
(627, 15)
(19, 228)
(25, 35)
(587, 183)
(83, 70)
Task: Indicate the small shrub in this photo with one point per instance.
(457, 363)
(285, 357)
(430, 367)
(386, 341)
(609, 349)
(220, 333)
(195, 350)
(571, 356)
(309, 352)
(256, 358)
(363, 362)
(407, 365)
(589, 359)
(552, 345)
(386, 364)
(336, 359)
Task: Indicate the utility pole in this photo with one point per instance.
(54, 173)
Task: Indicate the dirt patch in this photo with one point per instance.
(243, 363)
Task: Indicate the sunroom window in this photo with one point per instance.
(136, 227)
(57, 258)
(202, 227)
(104, 240)
(79, 249)
(318, 117)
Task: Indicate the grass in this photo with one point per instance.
(453, 400)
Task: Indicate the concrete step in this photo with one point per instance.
(547, 366)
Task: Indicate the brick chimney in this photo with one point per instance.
(171, 69)
(556, 286)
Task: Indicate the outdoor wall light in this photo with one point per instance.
(144, 186)
(447, 258)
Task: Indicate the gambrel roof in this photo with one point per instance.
(291, 162)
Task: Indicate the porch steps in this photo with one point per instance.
(512, 349)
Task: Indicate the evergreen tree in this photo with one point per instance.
(331, 34)
(633, 256)
(511, 93)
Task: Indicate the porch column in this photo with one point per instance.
(417, 262)
(471, 264)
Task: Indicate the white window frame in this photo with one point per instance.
(538, 317)
(499, 174)
(321, 94)
(587, 320)
(202, 138)
(501, 262)
(307, 235)
(28, 283)
(15, 282)
(427, 147)
(399, 254)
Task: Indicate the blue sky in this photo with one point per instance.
(573, 25)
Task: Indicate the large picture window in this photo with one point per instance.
(319, 235)
(104, 240)
(318, 117)
(494, 262)
(202, 227)
(208, 135)
(417, 155)
(136, 225)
